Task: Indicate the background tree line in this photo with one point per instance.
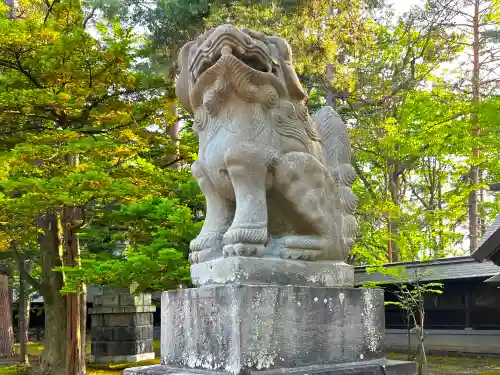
(95, 151)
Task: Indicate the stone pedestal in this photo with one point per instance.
(239, 326)
(273, 271)
(122, 327)
(239, 322)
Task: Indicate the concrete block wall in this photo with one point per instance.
(122, 327)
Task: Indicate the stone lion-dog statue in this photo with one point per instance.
(277, 181)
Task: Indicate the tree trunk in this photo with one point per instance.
(423, 370)
(6, 329)
(72, 220)
(393, 253)
(53, 360)
(74, 363)
(408, 331)
(29, 268)
(83, 326)
(24, 311)
(475, 130)
(54, 355)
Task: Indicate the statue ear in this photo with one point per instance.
(292, 82)
(183, 81)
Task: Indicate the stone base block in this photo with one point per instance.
(121, 348)
(376, 367)
(122, 358)
(122, 327)
(275, 271)
(240, 326)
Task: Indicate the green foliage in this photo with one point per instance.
(156, 234)
(65, 91)
(69, 95)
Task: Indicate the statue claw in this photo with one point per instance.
(243, 250)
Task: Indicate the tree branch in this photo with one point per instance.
(169, 164)
(49, 11)
(27, 74)
(19, 259)
(367, 184)
(89, 17)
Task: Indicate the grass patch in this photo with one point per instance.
(92, 368)
(156, 346)
(35, 350)
(12, 370)
(100, 369)
(444, 365)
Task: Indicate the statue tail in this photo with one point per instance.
(337, 151)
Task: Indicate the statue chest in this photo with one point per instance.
(221, 135)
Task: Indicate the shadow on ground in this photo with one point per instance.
(438, 365)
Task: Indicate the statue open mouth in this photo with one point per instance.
(232, 44)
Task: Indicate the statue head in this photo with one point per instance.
(251, 56)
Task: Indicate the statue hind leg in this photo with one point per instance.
(313, 193)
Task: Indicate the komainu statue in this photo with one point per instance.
(277, 181)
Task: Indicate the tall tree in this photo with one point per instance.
(24, 307)
(6, 329)
(479, 20)
(390, 141)
(66, 94)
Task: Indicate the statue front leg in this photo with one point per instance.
(218, 217)
(247, 167)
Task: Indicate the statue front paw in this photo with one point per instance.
(205, 247)
(243, 250)
(245, 241)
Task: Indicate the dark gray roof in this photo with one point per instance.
(489, 246)
(433, 270)
(93, 290)
(493, 279)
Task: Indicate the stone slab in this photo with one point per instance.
(231, 327)
(122, 299)
(120, 348)
(122, 309)
(275, 271)
(375, 367)
(122, 333)
(122, 320)
(122, 358)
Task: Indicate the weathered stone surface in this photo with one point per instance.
(121, 320)
(122, 333)
(277, 181)
(122, 327)
(122, 358)
(232, 327)
(251, 270)
(374, 367)
(120, 348)
(122, 299)
(122, 309)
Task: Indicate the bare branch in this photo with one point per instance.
(49, 11)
